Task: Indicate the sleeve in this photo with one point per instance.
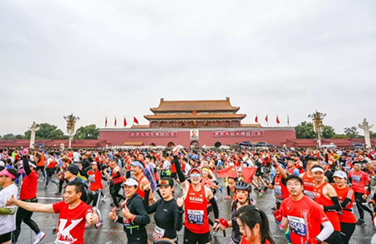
(178, 217)
(152, 208)
(26, 166)
(282, 209)
(57, 207)
(142, 216)
(178, 169)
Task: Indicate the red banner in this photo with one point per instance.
(153, 134)
(236, 133)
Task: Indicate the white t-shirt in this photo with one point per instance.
(187, 169)
(166, 165)
(76, 157)
(7, 222)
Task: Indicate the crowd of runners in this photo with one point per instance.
(315, 190)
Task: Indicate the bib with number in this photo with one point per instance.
(158, 233)
(278, 190)
(297, 225)
(196, 217)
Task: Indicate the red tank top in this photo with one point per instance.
(116, 180)
(196, 219)
(347, 215)
(324, 201)
(139, 190)
(29, 186)
(280, 189)
(309, 186)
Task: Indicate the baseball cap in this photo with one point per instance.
(130, 182)
(165, 181)
(137, 163)
(11, 173)
(73, 168)
(340, 174)
(198, 170)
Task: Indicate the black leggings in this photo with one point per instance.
(347, 229)
(25, 216)
(114, 191)
(359, 200)
(50, 173)
(93, 196)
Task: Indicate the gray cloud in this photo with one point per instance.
(118, 58)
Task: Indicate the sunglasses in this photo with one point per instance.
(163, 182)
(195, 175)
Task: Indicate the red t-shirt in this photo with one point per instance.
(71, 226)
(29, 186)
(305, 218)
(359, 180)
(196, 219)
(95, 179)
(347, 215)
(309, 185)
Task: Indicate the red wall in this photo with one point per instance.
(276, 136)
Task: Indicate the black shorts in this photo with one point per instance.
(193, 238)
(174, 176)
(6, 237)
(40, 168)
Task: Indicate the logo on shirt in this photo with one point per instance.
(64, 231)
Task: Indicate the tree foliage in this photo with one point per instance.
(87, 132)
(46, 131)
(305, 131)
(352, 132)
(11, 136)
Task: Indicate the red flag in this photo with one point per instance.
(227, 172)
(288, 120)
(277, 120)
(115, 122)
(256, 119)
(266, 118)
(248, 173)
(105, 122)
(135, 120)
(125, 122)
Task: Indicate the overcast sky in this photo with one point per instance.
(118, 58)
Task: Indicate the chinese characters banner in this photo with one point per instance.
(152, 134)
(236, 133)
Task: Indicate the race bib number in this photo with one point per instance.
(297, 225)
(278, 190)
(310, 194)
(196, 217)
(158, 233)
(356, 178)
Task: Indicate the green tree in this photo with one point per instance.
(328, 132)
(87, 132)
(305, 130)
(46, 131)
(8, 136)
(352, 132)
(372, 134)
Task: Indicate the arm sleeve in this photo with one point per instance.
(26, 166)
(178, 169)
(178, 218)
(152, 208)
(117, 174)
(348, 199)
(335, 207)
(142, 216)
(215, 207)
(326, 231)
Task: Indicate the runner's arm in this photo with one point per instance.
(333, 195)
(152, 208)
(213, 202)
(8, 211)
(26, 166)
(326, 231)
(142, 216)
(34, 207)
(178, 169)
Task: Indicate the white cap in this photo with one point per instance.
(2, 164)
(340, 174)
(130, 182)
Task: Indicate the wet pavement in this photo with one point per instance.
(112, 233)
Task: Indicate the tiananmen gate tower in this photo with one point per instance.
(195, 122)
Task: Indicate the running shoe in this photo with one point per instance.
(39, 237)
(260, 193)
(360, 222)
(58, 194)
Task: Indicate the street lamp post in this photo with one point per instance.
(71, 123)
(318, 126)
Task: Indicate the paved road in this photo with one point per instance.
(112, 233)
